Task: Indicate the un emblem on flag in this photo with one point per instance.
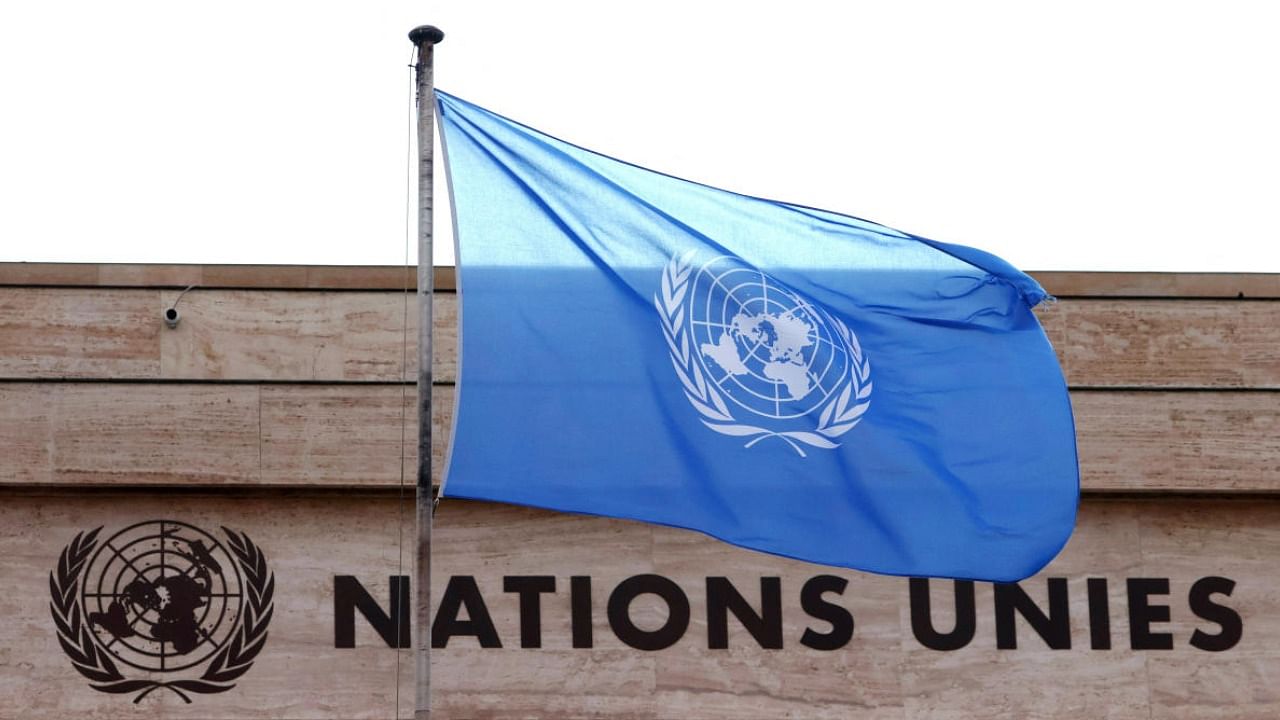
(758, 360)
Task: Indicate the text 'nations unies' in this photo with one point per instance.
(462, 612)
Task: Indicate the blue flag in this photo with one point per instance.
(782, 378)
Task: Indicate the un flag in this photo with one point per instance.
(787, 379)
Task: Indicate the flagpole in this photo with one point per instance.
(424, 37)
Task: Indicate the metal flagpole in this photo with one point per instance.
(424, 37)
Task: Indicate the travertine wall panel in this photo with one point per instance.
(155, 434)
(1238, 688)
(88, 333)
(260, 334)
(61, 332)
(352, 435)
(995, 684)
(883, 671)
(1172, 343)
(348, 435)
(26, 433)
(1178, 441)
(335, 336)
(341, 434)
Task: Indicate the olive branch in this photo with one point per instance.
(838, 417)
(74, 633)
(233, 660)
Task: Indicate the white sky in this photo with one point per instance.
(1081, 135)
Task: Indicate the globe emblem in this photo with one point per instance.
(162, 595)
(767, 348)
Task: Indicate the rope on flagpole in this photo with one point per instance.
(404, 355)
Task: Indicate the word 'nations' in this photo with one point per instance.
(463, 613)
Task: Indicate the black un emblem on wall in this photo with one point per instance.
(162, 604)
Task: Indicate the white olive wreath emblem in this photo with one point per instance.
(849, 403)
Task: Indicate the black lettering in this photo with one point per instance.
(580, 610)
(922, 616)
(530, 589)
(1142, 613)
(1054, 628)
(723, 598)
(619, 611)
(349, 595)
(462, 591)
(1204, 607)
(841, 619)
(1099, 615)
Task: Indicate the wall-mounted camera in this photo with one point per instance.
(170, 315)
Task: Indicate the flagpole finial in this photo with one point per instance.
(429, 33)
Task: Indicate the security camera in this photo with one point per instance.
(170, 315)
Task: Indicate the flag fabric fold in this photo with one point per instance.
(783, 378)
